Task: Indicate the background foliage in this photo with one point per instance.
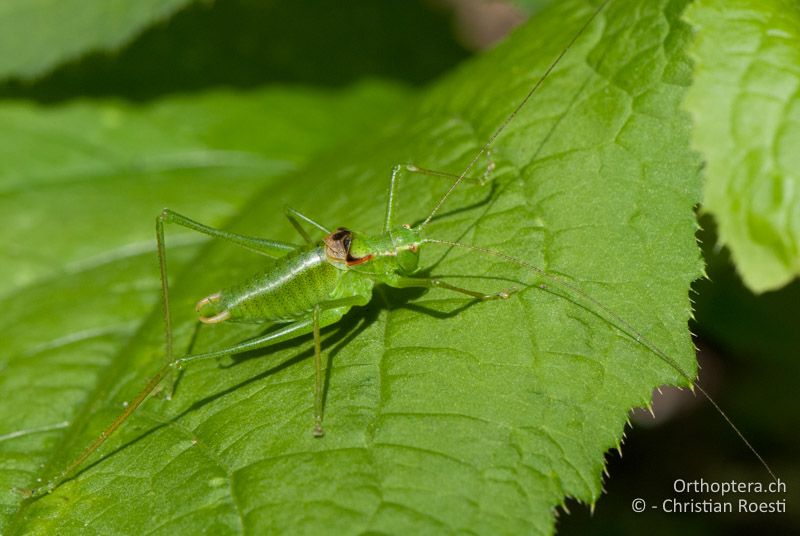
(746, 107)
(196, 114)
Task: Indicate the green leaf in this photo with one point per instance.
(746, 111)
(80, 187)
(442, 415)
(35, 36)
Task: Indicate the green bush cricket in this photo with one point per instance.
(313, 286)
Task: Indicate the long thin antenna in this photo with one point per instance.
(512, 115)
(622, 325)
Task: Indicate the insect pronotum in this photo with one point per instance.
(309, 287)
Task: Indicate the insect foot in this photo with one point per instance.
(318, 431)
(503, 294)
(490, 167)
(26, 493)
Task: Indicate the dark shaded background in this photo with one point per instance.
(246, 43)
(750, 362)
(749, 345)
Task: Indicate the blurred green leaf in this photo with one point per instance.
(442, 414)
(746, 110)
(246, 43)
(37, 35)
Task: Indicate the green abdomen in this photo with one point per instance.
(286, 291)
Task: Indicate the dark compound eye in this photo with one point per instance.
(340, 234)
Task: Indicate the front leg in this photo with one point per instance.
(401, 169)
